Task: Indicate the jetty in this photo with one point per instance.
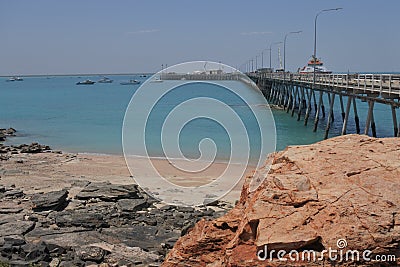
(299, 93)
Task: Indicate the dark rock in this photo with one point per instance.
(13, 193)
(78, 218)
(8, 210)
(35, 252)
(90, 253)
(16, 228)
(108, 192)
(148, 238)
(56, 200)
(132, 205)
(14, 240)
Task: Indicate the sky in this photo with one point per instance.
(98, 36)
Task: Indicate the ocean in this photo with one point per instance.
(55, 111)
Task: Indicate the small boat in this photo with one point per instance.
(130, 82)
(15, 79)
(143, 76)
(85, 82)
(319, 67)
(105, 80)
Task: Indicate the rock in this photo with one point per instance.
(14, 240)
(79, 218)
(108, 192)
(307, 201)
(132, 205)
(34, 148)
(90, 253)
(16, 228)
(35, 252)
(56, 200)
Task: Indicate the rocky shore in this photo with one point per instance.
(60, 209)
(342, 194)
(103, 224)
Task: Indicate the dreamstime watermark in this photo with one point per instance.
(339, 254)
(210, 123)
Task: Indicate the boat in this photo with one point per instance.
(85, 82)
(319, 67)
(14, 79)
(143, 76)
(130, 82)
(105, 80)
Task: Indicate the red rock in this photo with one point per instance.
(346, 187)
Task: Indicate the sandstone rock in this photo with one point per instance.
(55, 200)
(342, 188)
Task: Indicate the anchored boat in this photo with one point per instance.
(319, 67)
(130, 82)
(85, 82)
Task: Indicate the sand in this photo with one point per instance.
(44, 172)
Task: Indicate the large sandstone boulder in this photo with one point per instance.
(340, 194)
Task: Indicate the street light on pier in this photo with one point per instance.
(270, 54)
(284, 53)
(315, 37)
(314, 64)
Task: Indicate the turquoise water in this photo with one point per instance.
(88, 118)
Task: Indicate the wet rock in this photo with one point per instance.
(34, 148)
(56, 200)
(108, 192)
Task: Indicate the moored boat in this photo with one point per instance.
(130, 82)
(105, 80)
(319, 67)
(14, 79)
(85, 82)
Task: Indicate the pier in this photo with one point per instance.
(300, 93)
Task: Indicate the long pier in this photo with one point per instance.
(300, 93)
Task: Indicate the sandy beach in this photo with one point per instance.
(45, 172)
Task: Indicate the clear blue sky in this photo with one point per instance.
(58, 37)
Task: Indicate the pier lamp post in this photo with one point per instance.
(284, 53)
(315, 37)
(270, 49)
(314, 64)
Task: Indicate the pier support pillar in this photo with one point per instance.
(301, 104)
(347, 113)
(369, 116)
(356, 118)
(342, 107)
(308, 107)
(373, 126)
(395, 128)
(295, 99)
(317, 111)
(328, 124)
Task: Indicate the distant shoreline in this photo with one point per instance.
(79, 74)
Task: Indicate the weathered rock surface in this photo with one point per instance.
(56, 200)
(342, 188)
(107, 224)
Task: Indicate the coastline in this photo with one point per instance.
(55, 170)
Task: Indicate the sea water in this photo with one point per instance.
(88, 118)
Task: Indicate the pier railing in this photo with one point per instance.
(386, 85)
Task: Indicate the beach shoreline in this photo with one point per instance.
(56, 170)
